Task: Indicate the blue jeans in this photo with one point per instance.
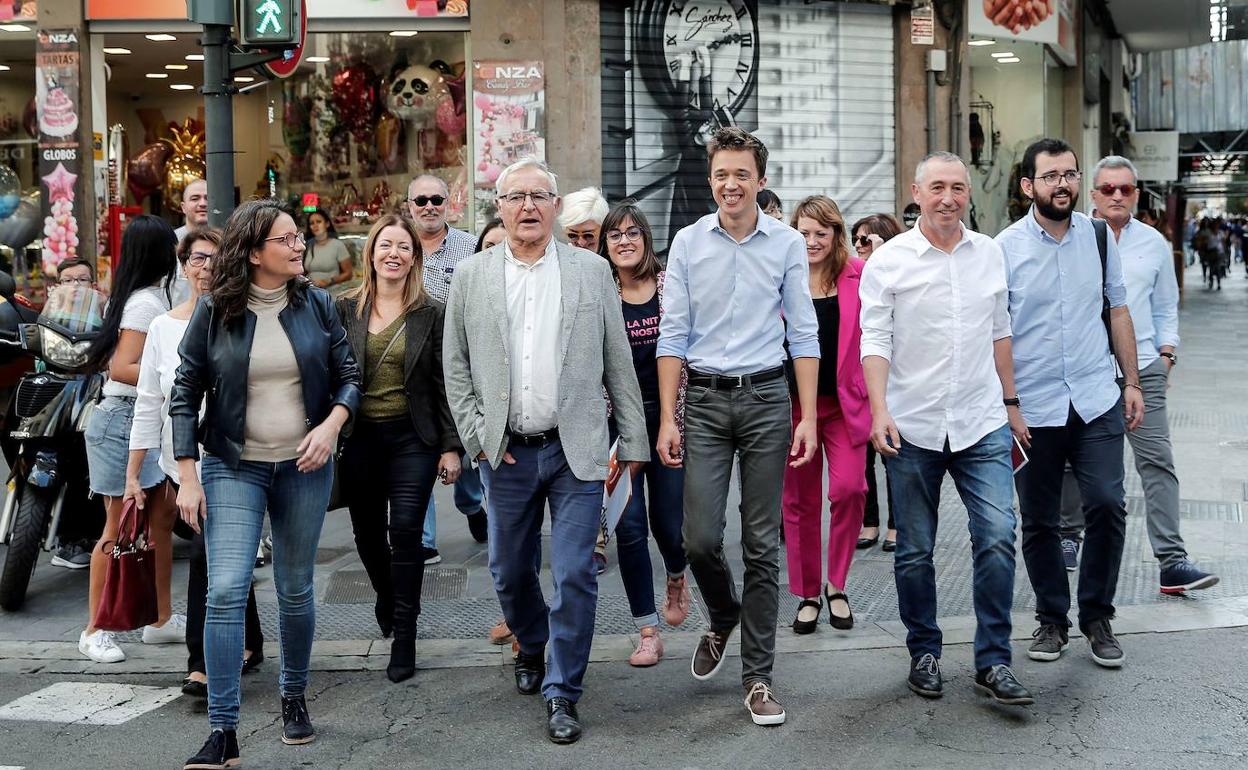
(984, 478)
(666, 516)
(469, 498)
(518, 496)
(237, 500)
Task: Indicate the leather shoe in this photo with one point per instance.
(1002, 686)
(562, 724)
(924, 676)
(866, 542)
(530, 671)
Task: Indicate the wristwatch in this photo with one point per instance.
(1012, 401)
(1174, 360)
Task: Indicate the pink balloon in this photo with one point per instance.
(482, 101)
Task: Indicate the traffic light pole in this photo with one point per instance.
(218, 122)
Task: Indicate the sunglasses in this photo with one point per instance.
(862, 240)
(1108, 189)
(422, 200)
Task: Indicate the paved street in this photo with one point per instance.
(1179, 702)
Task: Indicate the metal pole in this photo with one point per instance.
(218, 122)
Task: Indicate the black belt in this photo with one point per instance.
(728, 381)
(534, 439)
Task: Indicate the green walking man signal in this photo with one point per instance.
(270, 24)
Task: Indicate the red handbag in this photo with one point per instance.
(128, 600)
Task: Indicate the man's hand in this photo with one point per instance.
(1018, 426)
(448, 467)
(668, 444)
(805, 441)
(507, 458)
(617, 472)
(884, 434)
(1133, 406)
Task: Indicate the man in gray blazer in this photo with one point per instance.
(533, 333)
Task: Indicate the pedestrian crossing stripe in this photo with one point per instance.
(92, 703)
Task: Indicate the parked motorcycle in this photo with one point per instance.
(43, 429)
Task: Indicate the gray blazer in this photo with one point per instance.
(594, 353)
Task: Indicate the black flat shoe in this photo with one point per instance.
(889, 546)
(836, 621)
(867, 542)
(807, 626)
(530, 671)
(402, 660)
(252, 663)
(562, 723)
(194, 688)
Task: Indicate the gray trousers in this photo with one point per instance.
(1154, 461)
(752, 424)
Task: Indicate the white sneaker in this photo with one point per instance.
(100, 647)
(172, 632)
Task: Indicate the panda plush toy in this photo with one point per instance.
(416, 91)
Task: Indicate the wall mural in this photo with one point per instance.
(674, 71)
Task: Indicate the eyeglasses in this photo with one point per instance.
(198, 258)
(423, 200)
(1108, 189)
(1053, 177)
(631, 234)
(290, 239)
(74, 282)
(540, 197)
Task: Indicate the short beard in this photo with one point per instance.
(1053, 212)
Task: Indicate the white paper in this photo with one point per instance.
(615, 498)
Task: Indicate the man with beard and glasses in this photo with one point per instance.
(1074, 409)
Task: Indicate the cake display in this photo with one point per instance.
(57, 118)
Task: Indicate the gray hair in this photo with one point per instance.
(446, 191)
(523, 163)
(586, 205)
(1114, 161)
(943, 157)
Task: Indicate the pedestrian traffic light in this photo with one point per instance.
(269, 24)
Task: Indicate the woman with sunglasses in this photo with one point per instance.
(404, 437)
(870, 233)
(328, 260)
(153, 430)
(268, 353)
(629, 247)
(581, 217)
(843, 423)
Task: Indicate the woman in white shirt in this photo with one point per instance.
(152, 429)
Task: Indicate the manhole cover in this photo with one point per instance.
(351, 586)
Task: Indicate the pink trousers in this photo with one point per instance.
(803, 504)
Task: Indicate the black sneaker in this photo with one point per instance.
(924, 676)
(1070, 554)
(1050, 642)
(1105, 648)
(477, 526)
(431, 555)
(219, 752)
(1000, 683)
(708, 657)
(296, 724)
(1176, 578)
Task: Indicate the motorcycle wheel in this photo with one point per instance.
(34, 506)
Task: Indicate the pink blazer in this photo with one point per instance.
(851, 385)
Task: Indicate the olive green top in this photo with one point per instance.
(385, 398)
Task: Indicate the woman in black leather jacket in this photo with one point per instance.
(268, 351)
(404, 437)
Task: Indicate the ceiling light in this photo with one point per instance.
(1011, 60)
(243, 79)
(982, 42)
(158, 75)
(1002, 54)
(177, 66)
(4, 68)
(161, 38)
(14, 27)
(403, 33)
(118, 51)
(194, 57)
(317, 59)
(181, 87)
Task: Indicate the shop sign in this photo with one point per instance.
(130, 10)
(1013, 20)
(58, 100)
(388, 9)
(1066, 48)
(509, 116)
(922, 25)
(1155, 155)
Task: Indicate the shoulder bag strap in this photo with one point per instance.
(1102, 246)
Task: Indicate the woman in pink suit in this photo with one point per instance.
(844, 423)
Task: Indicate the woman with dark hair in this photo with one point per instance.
(328, 261)
(871, 232)
(152, 430)
(628, 245)
(491, 235)
(843, 424)
(140, 294)
(268, 352)
(404, 437)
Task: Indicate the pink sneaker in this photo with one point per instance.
(649, 650)
(676, 605)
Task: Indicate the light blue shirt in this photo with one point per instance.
(1152, 289)
(725, 303)
(1061, 351)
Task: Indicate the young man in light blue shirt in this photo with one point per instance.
(1074, 409)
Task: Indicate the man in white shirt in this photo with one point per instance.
(937, 357)
(1153, 301)
(195, 210)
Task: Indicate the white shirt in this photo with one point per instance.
(534, 313)
(934, 317)
(142, 308)
(180, 289)
(1152, 289)
(152, 427)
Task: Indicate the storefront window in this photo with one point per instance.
(21, 222)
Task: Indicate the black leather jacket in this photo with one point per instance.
(215, 362)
